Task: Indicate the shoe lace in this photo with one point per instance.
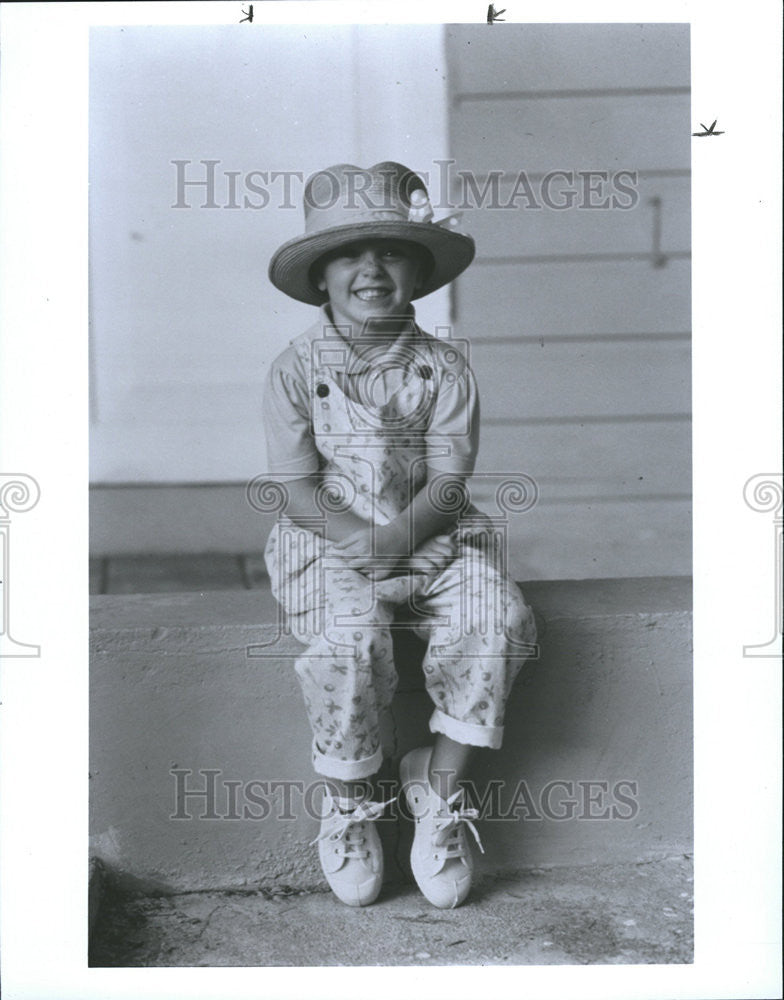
(350, 826)
(448, 828)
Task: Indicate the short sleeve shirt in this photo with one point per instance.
(450, 429)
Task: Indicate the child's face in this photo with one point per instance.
(370, 280)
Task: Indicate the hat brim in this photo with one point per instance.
(289, 268)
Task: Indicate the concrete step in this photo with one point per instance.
(200, 747)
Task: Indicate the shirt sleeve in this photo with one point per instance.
(291, 448)
(452, 438)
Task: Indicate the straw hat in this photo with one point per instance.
(345, 203)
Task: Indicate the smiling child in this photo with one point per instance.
(372, 428)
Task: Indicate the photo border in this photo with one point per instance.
(736, 79)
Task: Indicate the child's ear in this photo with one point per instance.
(316, 276)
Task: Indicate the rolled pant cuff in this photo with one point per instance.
(346, 770)
(466, 732)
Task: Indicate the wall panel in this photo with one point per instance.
(579, 317)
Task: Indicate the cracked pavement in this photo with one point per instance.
(611, 914)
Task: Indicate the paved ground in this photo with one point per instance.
(168, 574)
(618, 914)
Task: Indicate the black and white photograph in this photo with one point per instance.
(394, 504)
(262, 231)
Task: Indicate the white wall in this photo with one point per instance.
(183, 317)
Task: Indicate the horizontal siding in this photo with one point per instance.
(528, 231)
(568, 380)
(588, 297)
(589, 459)
(584, 133)
(579, 319)
(584, 540)
(528, 57)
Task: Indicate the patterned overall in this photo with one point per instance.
(369, 428)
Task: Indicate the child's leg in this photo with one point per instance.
(448, 764)
(347, 672)
(482, 633)
(348, 791)
(348, 677)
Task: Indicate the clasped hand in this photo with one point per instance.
(391, 550)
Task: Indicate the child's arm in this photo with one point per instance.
(423, 519)
(291, 449)
(420, 521)
(357, 541)
(302, 508)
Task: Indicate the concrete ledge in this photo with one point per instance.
(597, 758)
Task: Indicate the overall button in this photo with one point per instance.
(322, 390)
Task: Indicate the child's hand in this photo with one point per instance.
(433, 555)
(359, 551)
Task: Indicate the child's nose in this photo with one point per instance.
(370, 261)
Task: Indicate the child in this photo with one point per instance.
(372, 427)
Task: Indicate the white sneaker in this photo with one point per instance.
(440, 856)
(350, 849)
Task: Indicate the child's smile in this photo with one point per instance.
(370, 280)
